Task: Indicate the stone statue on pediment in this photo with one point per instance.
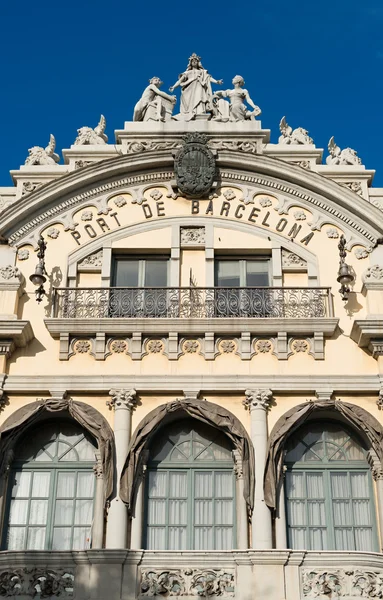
(43, 156)
(347, 156)
(154, 104)
(236, 109)
(89, 136)
(293, 136)
(196, 92)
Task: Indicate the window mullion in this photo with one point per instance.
(329, 509)
(191, 512)
(51, 509)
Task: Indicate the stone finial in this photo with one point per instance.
(290, 136)
(88, 136)
(122, 399)
(347, 156)
(257, 399)
(43, 156)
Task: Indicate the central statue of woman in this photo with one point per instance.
(196, 92)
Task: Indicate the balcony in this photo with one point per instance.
(204, 313)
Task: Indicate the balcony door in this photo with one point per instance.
(233, 273)
(139, 287)
(242, 272)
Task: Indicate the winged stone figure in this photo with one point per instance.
(347, 156)
(43, 156)
(290, 136)
(89, 136)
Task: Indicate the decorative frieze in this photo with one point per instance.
(373, 274)
(361, 253)
(339, 583)
(23, 254)
(91, 262)
(354, 186)
(53, 233)
(30, 186)
(36, 583)
(118, 346)
(9, 272)
(188, 582)
(80, 164)
(332, 233)
(292, 261)
(192, 236)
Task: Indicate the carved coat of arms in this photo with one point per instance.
(194, 166)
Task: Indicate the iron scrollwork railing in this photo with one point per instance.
(193, 302)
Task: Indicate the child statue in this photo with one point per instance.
(236, 110)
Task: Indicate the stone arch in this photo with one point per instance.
(360, 420)
(88, 417)
(212, 414)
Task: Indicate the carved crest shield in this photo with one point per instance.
(194, 166)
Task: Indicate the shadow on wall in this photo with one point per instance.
(54, 280)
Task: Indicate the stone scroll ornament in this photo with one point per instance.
(194, 166)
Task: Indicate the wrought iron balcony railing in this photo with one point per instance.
(193, 302)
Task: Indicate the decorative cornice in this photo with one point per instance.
(258, 399)
(122, 399)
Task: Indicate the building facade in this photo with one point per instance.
(192, 406)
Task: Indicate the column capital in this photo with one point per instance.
(257, 399)
(126, 399)
(377, 472)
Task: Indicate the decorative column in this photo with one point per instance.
(138, 513)
(123, 402)
(258, 401)
(377, 474)
(242, 521)
(99, 504)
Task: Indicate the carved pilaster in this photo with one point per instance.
(238, 464)
(97, 467)
(258, 399)
(377, 472)
(122, 399)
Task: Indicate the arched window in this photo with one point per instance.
(190, 489)
(328, 489)
(51, 489)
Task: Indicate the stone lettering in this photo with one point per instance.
(160, 209)
(281, 225)
(147, 211)
(90, 231)
(103, 224)
(195, 207)
(237, 214)
(264, 222)
(225, 209)
(76, 235)
(114, 215)
(253, 215)
(307, 238)
(209, 210)
(294, 231)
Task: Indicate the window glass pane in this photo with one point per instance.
(16, 538)
(157, 484)
(43, 456)
(177, 485)
(316, 513)
(70, 433)
(257, 273)
(126, 273)
(224, 512)
(316, 452)
(203, 512)
(296, 510)
(296, 453)
(40, 486)
(85, 485)
(19, 512)
(353, 451)
(21, 484)
(66, 485)
(156, 538)
(66, 453)
(177, 538)
(203, 484)
(38, 512)
(177, 512)
(224, 485)
(298, 538)
(206, 454)
(314, 483)
(156, 273)
(295, 485)
(161, 451)
(344, 539)
(36, 538)
(318, 539)
(157, 512)
(359, 485)
(362, 513)
(227, 273)
(340, 486)
(342, 513)
(221, 453)
(81, 538)
(83, 512)
(203, 538)
(61, 538)
(223, 538)
(64, 512)
(85, 450)
(364, 539)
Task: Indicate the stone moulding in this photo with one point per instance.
(336, 583)
(188, 582)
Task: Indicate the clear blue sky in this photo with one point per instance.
(318, 63)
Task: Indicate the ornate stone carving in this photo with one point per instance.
(188, 582)
(290, 259)
(156, 195)
(374, 273)
(236, 110)
(80, 164)
(118, 346)
(339, 583)
(263, 346)
(96, 136)
(332, 233)
(229, 194)
(155, 346)
(192, 236)
(190, 346)
(151, 146)
(120, 201)
(300, 346)
(290, 136)
(264, 201)
(194, 166)
(122, 399)
(40, 582)
(53, 233)
(379, 401)
(43, 156)
(361, 253)
(228, 346)
(337, 156)
(299, 215)
(87, 215)
(238, 464)
(154, 104)
(31, 186)
(235, 145)
(196, 92)
(354, 186)
(304, 164)
(23, 254)
(10, 272)
(257, 399)
(82, 346)
(93, 260)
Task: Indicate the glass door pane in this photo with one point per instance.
(227, 273)
(257, 273)
(156, 273)
(126, 272)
